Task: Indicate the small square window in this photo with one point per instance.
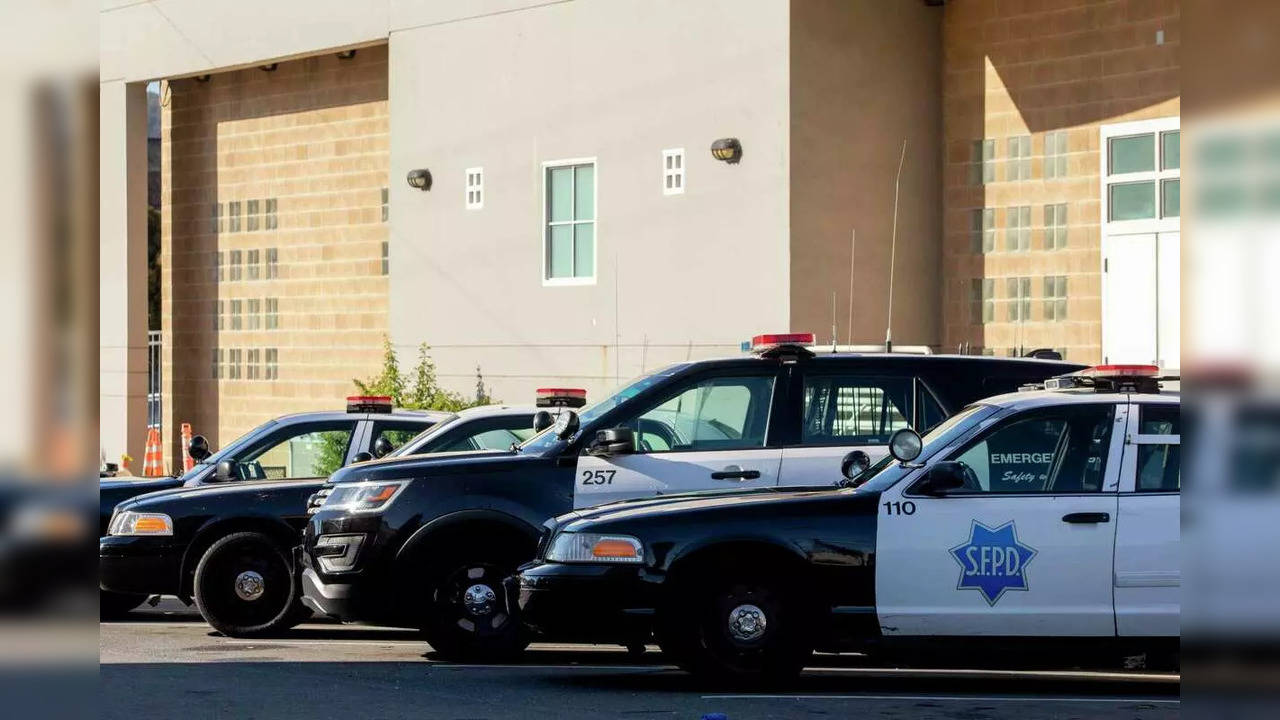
(1018, 165)
(673, 171)
(215, 219)
(1055, 226)
(982, 162)
(386, 204)
(215, 371)
(219, 268)
(255, 314)
(982, 235)
(251, 366)
(235, 265)
(1132, 153)
(273, 217)
(273, 364)
(982, 300)
(254, 266)
(233, 216)
(233, 364)
(1055, 154)
(235, 314)
(253, 216)
(273, 313)
(1017, 224)
(1019, 300)
(1055, 297)
(273, 266)
(386, 258)
(218, 319)
(475, 188)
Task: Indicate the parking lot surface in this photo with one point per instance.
(165, 662)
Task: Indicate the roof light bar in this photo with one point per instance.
(1121, 371)
(561, 397)
(369, 403)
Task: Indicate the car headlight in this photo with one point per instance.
(364, 497)
(337, 553)
(140, 523)
(571, 547)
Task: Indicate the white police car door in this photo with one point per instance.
(709, 433)
(844, 412)
(1148, 568)
(1025, 548)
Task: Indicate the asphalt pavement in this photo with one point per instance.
(165, 662)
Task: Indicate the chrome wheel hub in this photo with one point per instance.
(479, 599)
(747, 623)
(250, 586)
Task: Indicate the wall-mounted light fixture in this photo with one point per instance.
(346, 54)
(420, 179)
(202, 78)
(270, 67)
(727, 149)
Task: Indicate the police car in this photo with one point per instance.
(427, 541)
(225, 537)
(1036, 520)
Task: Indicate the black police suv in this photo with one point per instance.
(247, 499)
(427, 541)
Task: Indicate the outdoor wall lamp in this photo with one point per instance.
(270, 67)
(202, 78)
(727, 149)
(420, 179)
(346, 54)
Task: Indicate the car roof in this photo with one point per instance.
(1044, 398)
(485, 411)
(873, 359)
(425, 416)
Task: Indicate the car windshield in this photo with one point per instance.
(888, 471)
(547, 438)
(422, 438)
(232, 446)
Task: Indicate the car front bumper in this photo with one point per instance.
(140, 565)
(586, 603)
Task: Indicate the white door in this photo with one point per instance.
(1168, 300)
(709, 433)
(1148, 568)
(1025, 549)
(843, 412)
(1129, 313)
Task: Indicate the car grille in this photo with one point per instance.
(315, 501)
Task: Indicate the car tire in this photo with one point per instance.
(737, 627)
(466, 618)
(245, 586)
(114, 606)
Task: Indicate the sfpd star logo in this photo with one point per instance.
(993, 561)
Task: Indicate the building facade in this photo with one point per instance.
(943, 160)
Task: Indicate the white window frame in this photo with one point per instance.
(477, 188)
(673, 172)
(1139, 127)
(544, 238)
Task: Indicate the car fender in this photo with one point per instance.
(432, 529)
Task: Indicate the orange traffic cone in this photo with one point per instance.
(153, 462)
(188, 462)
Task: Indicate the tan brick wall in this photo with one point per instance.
(313, 137)
(1015, 68)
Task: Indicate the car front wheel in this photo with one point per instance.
(245, 587)
(467, 615)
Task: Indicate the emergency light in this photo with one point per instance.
(1111, 378)
(561, 397)
(368, 403)
(761, 343)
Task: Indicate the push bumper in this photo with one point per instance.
(586, 603)
(331, 599)
(139, 565)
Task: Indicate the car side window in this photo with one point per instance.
(1159, 464)
(1059, 450)
(395, 433)
(305, 450)
(854, 410)
(721, 413)
(498, 434)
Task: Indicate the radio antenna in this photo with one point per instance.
(893, 250)
(853, 245)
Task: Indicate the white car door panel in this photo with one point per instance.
(602, 480)
(1026, 553)
(820, 465)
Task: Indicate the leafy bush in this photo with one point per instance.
(419, 391)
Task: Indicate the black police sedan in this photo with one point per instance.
(426, 541)
(255, 483)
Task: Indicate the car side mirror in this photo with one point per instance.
(566, 424)
(225, 472)
(362, 456)
(613, 441)
(382, 447)
(853, 465)
(942, 478)
(198, 448)
(542, 420)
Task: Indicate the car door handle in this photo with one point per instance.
(1086, 517)
(735, 475)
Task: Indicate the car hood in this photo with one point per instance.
(628, 510)
(435, 464)
(138, 485)
(245, 488)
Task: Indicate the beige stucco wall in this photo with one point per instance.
(865, 76)
(620, 81)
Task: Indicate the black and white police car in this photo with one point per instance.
(1040, 519)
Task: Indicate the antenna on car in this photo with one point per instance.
(893, 249)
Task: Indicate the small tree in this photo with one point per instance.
(420, 391)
